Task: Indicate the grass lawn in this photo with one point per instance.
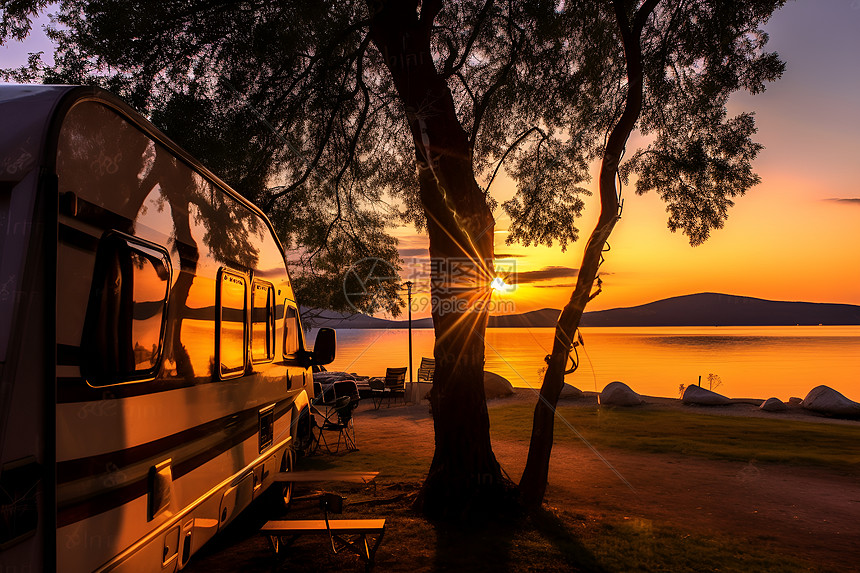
(716, 437)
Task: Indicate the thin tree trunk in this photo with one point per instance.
(186, 247)
(535, 475)
(464, 474)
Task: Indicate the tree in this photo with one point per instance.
(361, 94)
(681, 62)
(423, 101)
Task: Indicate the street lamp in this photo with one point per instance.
(408, 285)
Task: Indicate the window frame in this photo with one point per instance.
(219, 321)
(270, 323)
(109, 245)
(301, 344)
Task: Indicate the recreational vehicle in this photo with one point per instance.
(153, 375)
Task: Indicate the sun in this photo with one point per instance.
(499, 285)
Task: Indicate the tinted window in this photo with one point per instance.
(262, 321)
(292, 334)
(232, 296)
(126, 313)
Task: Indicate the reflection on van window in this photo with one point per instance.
(262, 321)
(231, 335)
(292, 336)
(125, 318)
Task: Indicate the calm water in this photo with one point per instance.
(756, 362)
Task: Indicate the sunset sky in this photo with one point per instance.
(796, 236)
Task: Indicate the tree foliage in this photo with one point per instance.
(237, 87)
(301, 88)
(340, 118)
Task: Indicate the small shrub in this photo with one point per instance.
(713, 381)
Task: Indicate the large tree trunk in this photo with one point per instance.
(535, 475)
(464, 474)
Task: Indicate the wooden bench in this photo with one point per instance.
(325, 475)
(282, 533)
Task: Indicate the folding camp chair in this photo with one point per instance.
(338, 420)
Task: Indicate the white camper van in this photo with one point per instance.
(153, 377)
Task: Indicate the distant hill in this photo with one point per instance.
(330, 319)
(703, 309)
(713, 309)
(535, 318)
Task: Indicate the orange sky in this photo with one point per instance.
(796, 236)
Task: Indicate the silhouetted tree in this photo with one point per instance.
(673, 67)
(424, 102)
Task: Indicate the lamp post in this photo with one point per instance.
(408, 285)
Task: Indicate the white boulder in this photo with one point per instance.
(698, 396)
(826, 400)
(496, 387)
(619, 394)
(773, 405)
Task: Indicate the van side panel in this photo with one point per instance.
(155, 424)
(26, 464)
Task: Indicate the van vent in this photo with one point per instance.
(267, 427)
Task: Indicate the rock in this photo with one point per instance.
(826, 400)
(773, 405)
(698, 396)
(496, 387)
(795, 401)
(572, 392)
(619, 394)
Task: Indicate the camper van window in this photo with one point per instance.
(292, 334)
(232, 297)
(262, 321)
(123, 338)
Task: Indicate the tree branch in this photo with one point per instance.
(353, 144)
(482, 106)
(469, 91)
(450, 70)
(429, 10)
(359, 54)
(641, 17)
(510, 148)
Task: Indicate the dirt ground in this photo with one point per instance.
(810, 513)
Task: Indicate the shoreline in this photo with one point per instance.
(740, 407)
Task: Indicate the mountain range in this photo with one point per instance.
(702, 309)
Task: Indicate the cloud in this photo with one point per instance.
(546, 274)
(848, 200)
(562, 285)
(418, 252)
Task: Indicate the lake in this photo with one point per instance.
(751, 362)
